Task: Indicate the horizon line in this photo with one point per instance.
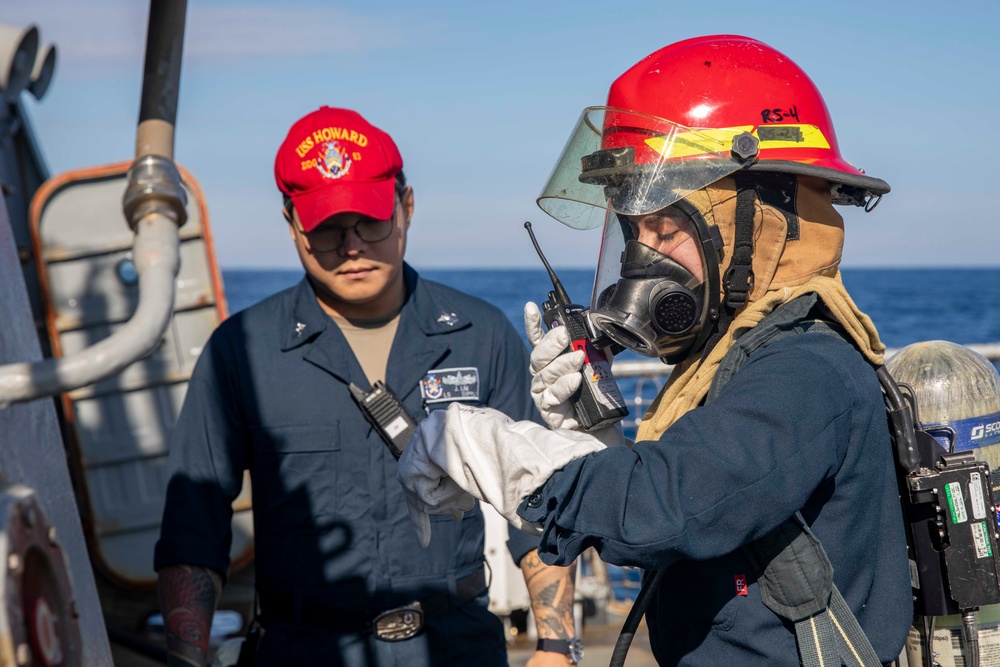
(892, 267)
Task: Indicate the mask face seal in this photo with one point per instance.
(656, 290)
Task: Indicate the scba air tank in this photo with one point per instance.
(957, 395)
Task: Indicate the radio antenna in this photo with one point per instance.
(560, 292)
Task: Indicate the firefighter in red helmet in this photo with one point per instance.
(761, 487)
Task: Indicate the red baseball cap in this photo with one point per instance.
(334, 161)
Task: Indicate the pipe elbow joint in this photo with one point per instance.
(154, 186)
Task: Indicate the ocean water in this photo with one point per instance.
(907, 305)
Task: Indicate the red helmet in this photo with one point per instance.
(692, 113)
(727, 81)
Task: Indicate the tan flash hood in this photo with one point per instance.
(798, 241)
(780, 258)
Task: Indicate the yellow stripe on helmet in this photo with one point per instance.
(692, 143)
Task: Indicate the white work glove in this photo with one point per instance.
(462, 453)
(556, 376)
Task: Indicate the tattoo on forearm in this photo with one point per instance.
(531, 563)
(552, 608)
(551, 592)
(188, 596)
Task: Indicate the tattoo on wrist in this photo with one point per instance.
(188, 596)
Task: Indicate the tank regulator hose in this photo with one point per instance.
(970, 637)
(634, 616)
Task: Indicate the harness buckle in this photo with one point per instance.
(738, 281)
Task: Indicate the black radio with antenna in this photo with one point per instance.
(598, 402)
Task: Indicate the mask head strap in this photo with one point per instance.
(737, 282)
(738, 279)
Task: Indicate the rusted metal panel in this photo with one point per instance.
(120, 427)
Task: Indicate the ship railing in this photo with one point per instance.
(649, 375)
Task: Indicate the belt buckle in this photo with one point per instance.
(396, 625)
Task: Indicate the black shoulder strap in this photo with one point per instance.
(792, 569)
(796, 583)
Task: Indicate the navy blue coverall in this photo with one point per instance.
(270, 394)
(800, 427)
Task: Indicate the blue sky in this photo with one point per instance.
(481, 97)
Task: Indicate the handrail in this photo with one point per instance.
(155, 207)
(656, 372)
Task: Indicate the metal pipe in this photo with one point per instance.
(156, 257)
(155, 207)
(161, 78)
(640, 368)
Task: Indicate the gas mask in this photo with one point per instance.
(656, 290)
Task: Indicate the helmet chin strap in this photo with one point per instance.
(737, 280)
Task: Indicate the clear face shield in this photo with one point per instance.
(656, 286)
(657, 283)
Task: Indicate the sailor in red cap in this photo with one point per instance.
(315, 390)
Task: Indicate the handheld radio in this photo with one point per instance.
(598, 402)
(387, 414)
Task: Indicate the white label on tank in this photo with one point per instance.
(989, 646)
(976, 496)
(956, 503)
(943, 651)
(396, 426)
(947, 646)
(981, 539)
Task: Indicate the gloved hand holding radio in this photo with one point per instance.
(556, 376)
(463, 453)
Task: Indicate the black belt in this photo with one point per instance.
(391, 624)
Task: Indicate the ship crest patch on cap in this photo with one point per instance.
(333, 161)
